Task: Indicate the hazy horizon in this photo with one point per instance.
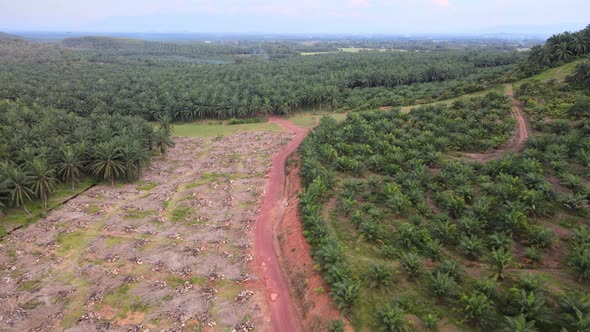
(296, 17)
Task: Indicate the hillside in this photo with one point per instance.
(430, 219)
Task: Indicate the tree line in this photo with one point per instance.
(42, 147)
(558, 49)
(150, 87)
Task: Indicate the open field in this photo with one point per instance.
(309, 119)
(172, 251)
(346, 50)
(219, 128)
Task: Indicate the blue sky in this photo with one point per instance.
(290, 16)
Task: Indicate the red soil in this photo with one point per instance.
(309, 289)
(284, 316)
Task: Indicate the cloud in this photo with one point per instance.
(441, 3)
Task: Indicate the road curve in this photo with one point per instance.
(517, 143)
(284, 316)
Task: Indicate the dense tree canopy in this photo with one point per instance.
(559, 48)
(115, 82)
(41, 147)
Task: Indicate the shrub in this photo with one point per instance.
(336, 326)
(500, 259)
(500, 241)
(452, 267)
(532, 282)
(412, 265)
(433, 250)
(380, 275)
(519, 324)
(392, 319)
(388, 251)
(487, 287)
(442, 284)
(533, 253)
(431, 322)
(472, 246)
(579, 261)
(478, 309)
(528, 303)
(371, 231)
(541, 237)
(345, 293)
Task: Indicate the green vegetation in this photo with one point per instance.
(147, 79)
(213, 129)
(15, 217)
(41, 148)
(559, 49)
(457, 232)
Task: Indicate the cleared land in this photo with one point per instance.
(171, 252)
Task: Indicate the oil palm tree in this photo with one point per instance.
(134, 159)
(500, 260)
(70, 166)
(162, 140)
(562, 52)
(43, 180)
(579, 44)
(519, 324)
(107, 163)
(19, 186)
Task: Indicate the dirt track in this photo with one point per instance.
(284, 316)
(517, 143)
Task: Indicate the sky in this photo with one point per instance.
(296, 16)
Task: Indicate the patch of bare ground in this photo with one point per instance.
(170, 258)
(309, 289)
(516, 144)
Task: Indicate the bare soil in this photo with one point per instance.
(284, 315)
(309, 289)
(174, 257)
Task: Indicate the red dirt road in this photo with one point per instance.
(284, 316)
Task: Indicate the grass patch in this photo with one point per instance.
(74, 241)
(138, 214)
(18, 217)
(146, 185)
(125, 302)
(216, 129)
(233, 122)
(75, 307)
(308, 119)
(558, 73)
(181, 213)
(29, 285)
(228, 289)
(174, 281)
